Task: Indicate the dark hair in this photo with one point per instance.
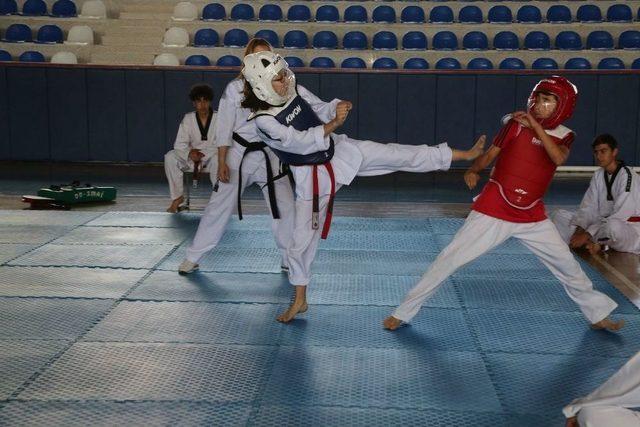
(201, 91)
(605, 138)
(251, 101)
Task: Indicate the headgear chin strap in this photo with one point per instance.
(566, 94)
(260, 69)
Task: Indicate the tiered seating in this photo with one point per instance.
(323, 33)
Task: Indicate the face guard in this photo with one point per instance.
(566, 95)
(261, 69)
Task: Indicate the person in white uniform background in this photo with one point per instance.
(299, 127)
(195, 144)
(527, 151)
(607, 405)
(243, 159)
(610, 210)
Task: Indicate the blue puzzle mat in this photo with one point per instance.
(97, 328)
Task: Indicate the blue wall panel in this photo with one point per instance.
(145, 116)
(310, 81)
(5, 137)
(377, 109)
(455, 111)
(177, 103)
(69, 135)
(617, 112)
(28, 113)
(342, 86)
(107, 109)
(495, 97)
(584, 119)
(417, 111)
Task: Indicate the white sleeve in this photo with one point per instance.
(287, 138)
(622, 389)
(588, 217)
(326, 111)
(226, 121)
(211, 147)
(183, 140)
(626, 203)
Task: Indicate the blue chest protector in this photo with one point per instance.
(301, 116)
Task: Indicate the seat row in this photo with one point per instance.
(412, 40)
(59, 9)
(499, 14)
(168, 59)
(35, 56)
(21, 33)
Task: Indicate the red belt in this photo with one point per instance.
(315, 216)
(634, 219)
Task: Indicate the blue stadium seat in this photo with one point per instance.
(414, 40)
(384, 40)
(589, 13)
(568, 40)
(529, 15)
(448, 64)
(611, 64)
(235, 38)
(577, 64)
(470, 15)
(64, 9)
(17, 33)
(355, 14)
(506, 40)
(384, 14)
(629, 40)
(8, 7)
(295, 39)
(200, 60)
(619, 13)
(559, 14)
(500, 15)
(480, 64)
(34, 8)
(270, 13)
(242, 12)
(512, 64)
(537, 40)
(445, 40)
(416, 64)
(355, 40)
(5, 56)
(327, 13)
(385, 64)
(412, 15)
(213, 12)
(206, 37)
(599, 40)
(475, 40)
(270, 36)
(441, 15)
(299, 13)
(322, 62)
(31, 56)
(635, 65)
(353, 63)
(50, 34)
(294, 61)
(228, 61)
(325, 40)
(544, 64)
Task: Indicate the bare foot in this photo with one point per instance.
(608, 324)
(391, 323)
(173, 208)
(295, 308)
(593, 248)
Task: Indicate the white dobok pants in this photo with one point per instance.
(176, 163)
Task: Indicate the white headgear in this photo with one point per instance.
(259, 70)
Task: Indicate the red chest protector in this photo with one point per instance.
(524, 170)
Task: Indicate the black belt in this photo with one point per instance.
(251, 147)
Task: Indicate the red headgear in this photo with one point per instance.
(566, 94)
